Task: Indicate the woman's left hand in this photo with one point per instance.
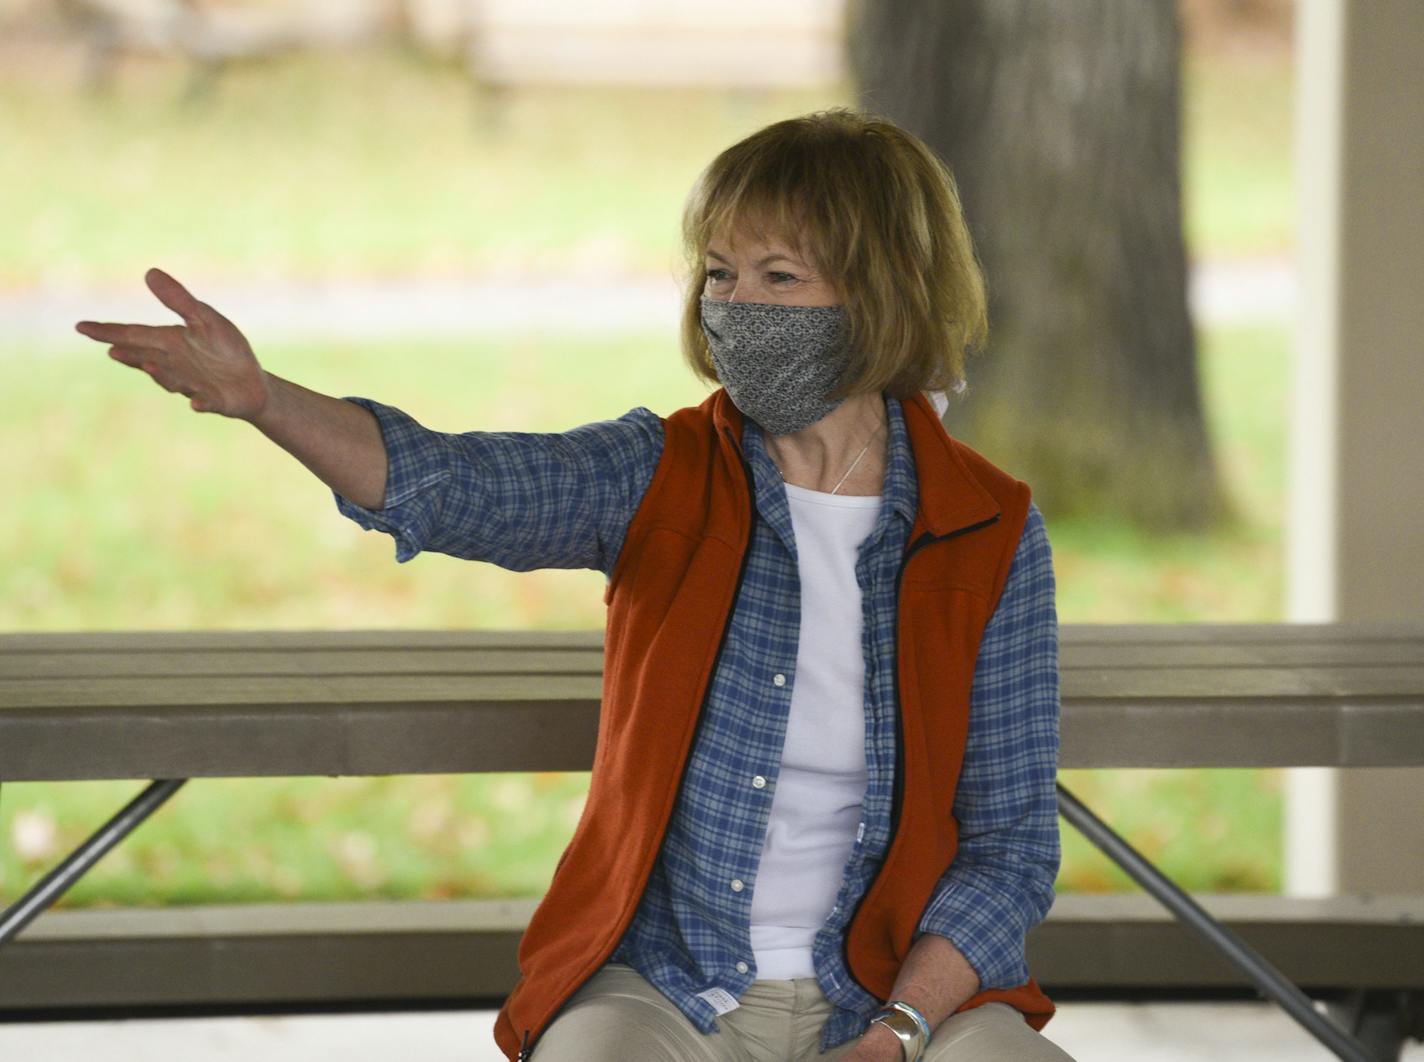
(877, 1044)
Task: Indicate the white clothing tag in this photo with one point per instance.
(720, 999)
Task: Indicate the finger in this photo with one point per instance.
(155, 364)
(129, 335)
(162, 379)
(174, 295)
(140, 357)
(129, 356)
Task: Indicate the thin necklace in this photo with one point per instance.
(851, 469)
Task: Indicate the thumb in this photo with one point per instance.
(173, 295)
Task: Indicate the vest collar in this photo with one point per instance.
(948, 502)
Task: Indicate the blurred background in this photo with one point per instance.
(469, 209)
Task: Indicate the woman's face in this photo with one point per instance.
(742, 267)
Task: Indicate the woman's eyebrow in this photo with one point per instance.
(760, 265)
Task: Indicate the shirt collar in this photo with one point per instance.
(901, 489)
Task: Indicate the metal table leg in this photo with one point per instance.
(54, 884)
(1265, 976)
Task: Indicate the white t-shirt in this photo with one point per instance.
(816, 806)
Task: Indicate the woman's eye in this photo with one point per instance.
(781, 278)
(717, 276)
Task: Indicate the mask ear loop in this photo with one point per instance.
(940, 400)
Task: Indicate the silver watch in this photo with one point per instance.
(907, 1030)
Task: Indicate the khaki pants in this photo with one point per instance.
(617, 1015)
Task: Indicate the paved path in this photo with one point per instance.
(1261, 290)
(1091, 1032)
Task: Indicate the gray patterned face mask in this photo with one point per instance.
(778, 363)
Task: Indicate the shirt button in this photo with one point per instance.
(778, 680)
(758, 782)
(738, 885)
(742, 967)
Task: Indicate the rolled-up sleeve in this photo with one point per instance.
(521, 500)
(1000, 884)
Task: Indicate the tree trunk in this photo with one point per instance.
(1061, 124)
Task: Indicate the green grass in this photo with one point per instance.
(249, 184)
(1237, 160)
(139, 514)
(1115, 573)
(1210, 831)
(252, 840)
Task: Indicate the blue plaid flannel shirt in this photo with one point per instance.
(565, 500)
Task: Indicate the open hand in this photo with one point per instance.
(206, 359)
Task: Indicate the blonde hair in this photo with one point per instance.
(879, 213)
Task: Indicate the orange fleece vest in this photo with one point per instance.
(669, 599)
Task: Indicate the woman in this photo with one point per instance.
(822, 814)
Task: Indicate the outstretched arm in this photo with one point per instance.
(209, 361)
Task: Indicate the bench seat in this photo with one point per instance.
(410, 954)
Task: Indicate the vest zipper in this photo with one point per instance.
(524, 1053)
(898, 778)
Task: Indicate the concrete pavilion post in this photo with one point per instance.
(1356, 523)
